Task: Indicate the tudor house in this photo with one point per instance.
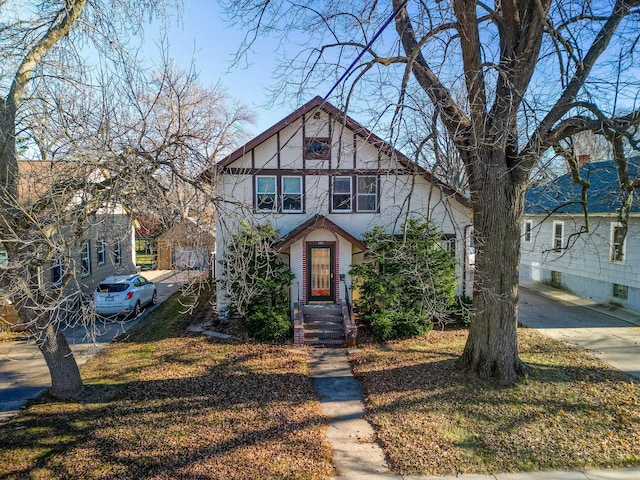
(322, 180)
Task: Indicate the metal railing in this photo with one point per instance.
(347, 299)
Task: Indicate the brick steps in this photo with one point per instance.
(323, 325)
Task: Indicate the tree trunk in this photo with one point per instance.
(491, 350)
(66, 382)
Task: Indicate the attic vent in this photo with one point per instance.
(316, 116)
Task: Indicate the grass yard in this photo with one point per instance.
(162, 404)
(572, 412)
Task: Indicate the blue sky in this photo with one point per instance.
(203, 36)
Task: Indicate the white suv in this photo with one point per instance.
(124, 295)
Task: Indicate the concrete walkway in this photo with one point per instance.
(357, 456)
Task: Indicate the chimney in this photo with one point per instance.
(583, 160)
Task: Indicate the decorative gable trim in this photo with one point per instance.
(314, 223)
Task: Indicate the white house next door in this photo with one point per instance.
(320, 275)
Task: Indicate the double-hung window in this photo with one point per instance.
(117, 253)
(617, 242)
(558, 236)
(57, 271)
(266, 193)
(85, 258)
(367, 193)
(528, 224)
(292, 194)
(100, 252)
(341, 194)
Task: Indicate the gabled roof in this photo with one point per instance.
(318, 103)
(314, 223)
(563, 195)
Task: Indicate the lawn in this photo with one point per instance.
(571, 412)
(164, 404)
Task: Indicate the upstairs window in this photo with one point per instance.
(317, 148)
(558, 236)
(367, 194)
(528, 224)
(341, 194)
(57, 271)
(100, 252)
(117, 253)
(266, 193)
(617, 242)
(85, 259)
(292, 194)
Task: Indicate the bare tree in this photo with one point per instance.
(534, 73)
(76, 97)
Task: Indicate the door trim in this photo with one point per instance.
(331, 246)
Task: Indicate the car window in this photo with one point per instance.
(142, 280)
(112, 287)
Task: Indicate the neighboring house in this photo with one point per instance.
(323, 180)
(107, 244)
(557, 250)
(188, 245)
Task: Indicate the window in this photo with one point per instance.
(620, 291)
(341, 194)
(57, 271)
(100, 252)
(448, 243)
(527, 230)
(266, 193)
(558, 236)
(317, 148)
(117, 253)
(85, 259)
(292, 194)
(556, 279)
(4, 258)
(617, 242)
(367, 194)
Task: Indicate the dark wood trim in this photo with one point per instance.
(304, 135)
(331, 245)
(314, 223)
(344, 172)
(355, 149)
(278, 149)
(253, 158)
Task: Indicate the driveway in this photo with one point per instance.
(611, 334)
(23, 371)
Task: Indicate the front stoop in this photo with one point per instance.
(323, 325)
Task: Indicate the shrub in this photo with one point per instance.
(405, 281)
(257, 282)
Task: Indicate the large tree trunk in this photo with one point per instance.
(66, 382)
(491, 350)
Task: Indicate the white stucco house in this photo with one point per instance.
(595, 263)
(323, 180)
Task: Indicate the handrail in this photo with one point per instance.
(347, 299)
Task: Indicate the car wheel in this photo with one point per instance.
(136, 310)
(154, 298)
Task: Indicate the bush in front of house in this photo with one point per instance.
(257, 282)
(406, 281)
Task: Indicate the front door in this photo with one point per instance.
(320, 280)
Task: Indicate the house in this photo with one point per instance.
(188, 244)
(106, 245)
(599, 262)
(322, 180)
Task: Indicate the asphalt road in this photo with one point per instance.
(604, 335)
(23, 371)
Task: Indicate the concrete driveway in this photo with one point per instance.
(23, 371)
(609, 333)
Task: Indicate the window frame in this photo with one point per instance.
(256, 192)
(528, 227)
(347, 194)
(375, 194)
(100, 252)
(316, 156)
(284, 194)
(554, 238)
(620, 291)
(117, 253)
(57, 265)
(612, 242)
(85, 258)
